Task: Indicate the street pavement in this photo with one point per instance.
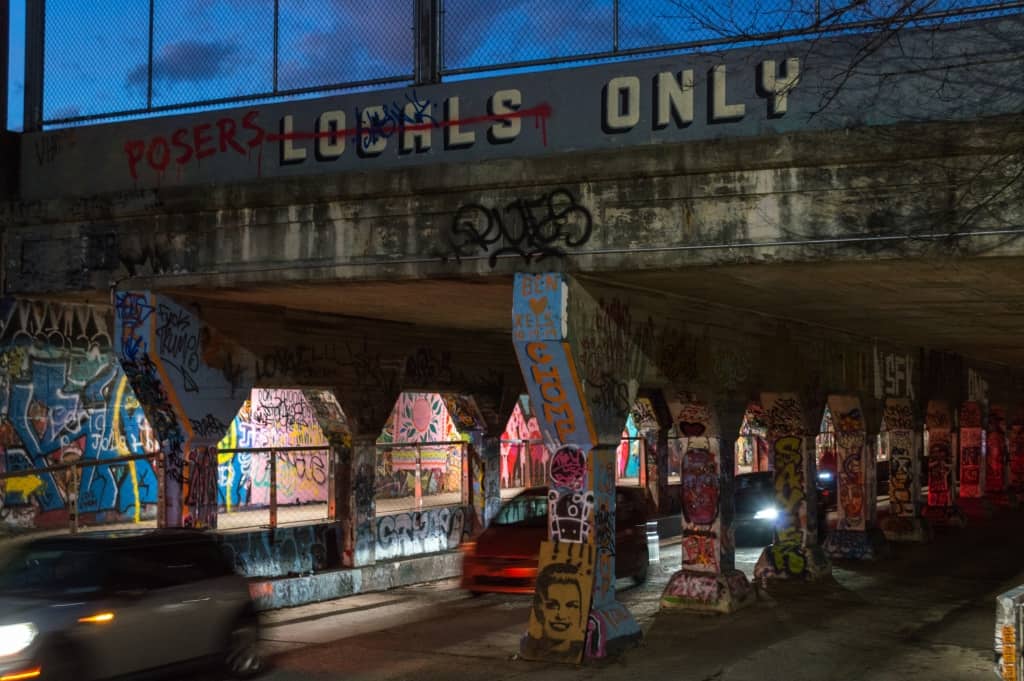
(923, 612)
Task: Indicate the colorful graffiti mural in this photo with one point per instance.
(995, 451)
(272, 418)
(795, 552)
(407, 457)
(972, 455)
(64, 399)
(524, 457)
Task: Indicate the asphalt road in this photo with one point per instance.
(925, 612)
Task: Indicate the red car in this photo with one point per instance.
(504, 556)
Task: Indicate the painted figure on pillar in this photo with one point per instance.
(971, 463)
(561, 603)
(570, 503)
(795, 552)
(995, 452)
(941, 507)
(1015, 446)
(708, 580)
(752, 453)
(851, 481)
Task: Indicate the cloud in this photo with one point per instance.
(188, 61)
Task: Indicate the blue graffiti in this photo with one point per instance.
(384, 125)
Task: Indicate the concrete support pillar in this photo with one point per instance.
(582, 373)
(971, 442)
(856, 535)
(902, 445)
(1015, 452)
(941, 508)
(996, 468)
(708, 580)
(651, 416)
(191, 383)
(795, 552)
(485, 478)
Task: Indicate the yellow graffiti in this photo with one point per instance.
(229, 441)
(25, 485)
(122, 446)
(1009, 653)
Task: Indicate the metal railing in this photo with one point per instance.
(112, 493)
(273, 486)
(166, 56)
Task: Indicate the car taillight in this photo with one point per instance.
(468, 547)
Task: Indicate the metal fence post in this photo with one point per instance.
(73, 498)
(35, 35)
(273, 489)
(418, 489)
(427, 34)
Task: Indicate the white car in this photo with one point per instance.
(103, 605)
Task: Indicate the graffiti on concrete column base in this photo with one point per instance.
(417, 532)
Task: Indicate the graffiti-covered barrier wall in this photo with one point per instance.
(311, 549)
(64, 400)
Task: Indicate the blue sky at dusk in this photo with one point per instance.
(97, 50)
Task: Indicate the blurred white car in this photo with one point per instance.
(102, 605)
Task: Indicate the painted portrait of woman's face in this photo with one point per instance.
(562, 611)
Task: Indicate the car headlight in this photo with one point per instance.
(824, 475)
(770, 513)
(14, 638)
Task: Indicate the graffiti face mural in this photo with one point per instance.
(561, 603)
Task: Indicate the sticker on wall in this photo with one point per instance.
(561, 603)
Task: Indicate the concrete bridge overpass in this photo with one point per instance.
(725, 225)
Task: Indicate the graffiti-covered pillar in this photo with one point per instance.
(856, 535)
(1015, 453)
(708, 580)
(971, 442)
(996, 478)
(191, 382)
(901, 444)
(582, 372)
(651, 416)
(795, 551)
(481, 462)
(941, 508)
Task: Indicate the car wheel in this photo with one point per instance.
(641, 576)
(242, 658)
(61, 662)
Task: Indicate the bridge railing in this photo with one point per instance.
(171, 56)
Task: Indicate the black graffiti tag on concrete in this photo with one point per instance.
(531, 228)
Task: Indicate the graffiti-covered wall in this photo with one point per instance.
(64, 399)
(272, 418)
(523, 454)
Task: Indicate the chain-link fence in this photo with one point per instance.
(272, 486)
(112, 493)
(149, 56)
(415, 475)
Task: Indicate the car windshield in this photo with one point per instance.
(524, 511)
(57, 571)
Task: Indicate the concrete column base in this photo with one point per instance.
(1002, 499)
(611, 629)
(944, 516)
(907, 529)
(694, 591)
(792, 561)
(866, 544)
(976, 508)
